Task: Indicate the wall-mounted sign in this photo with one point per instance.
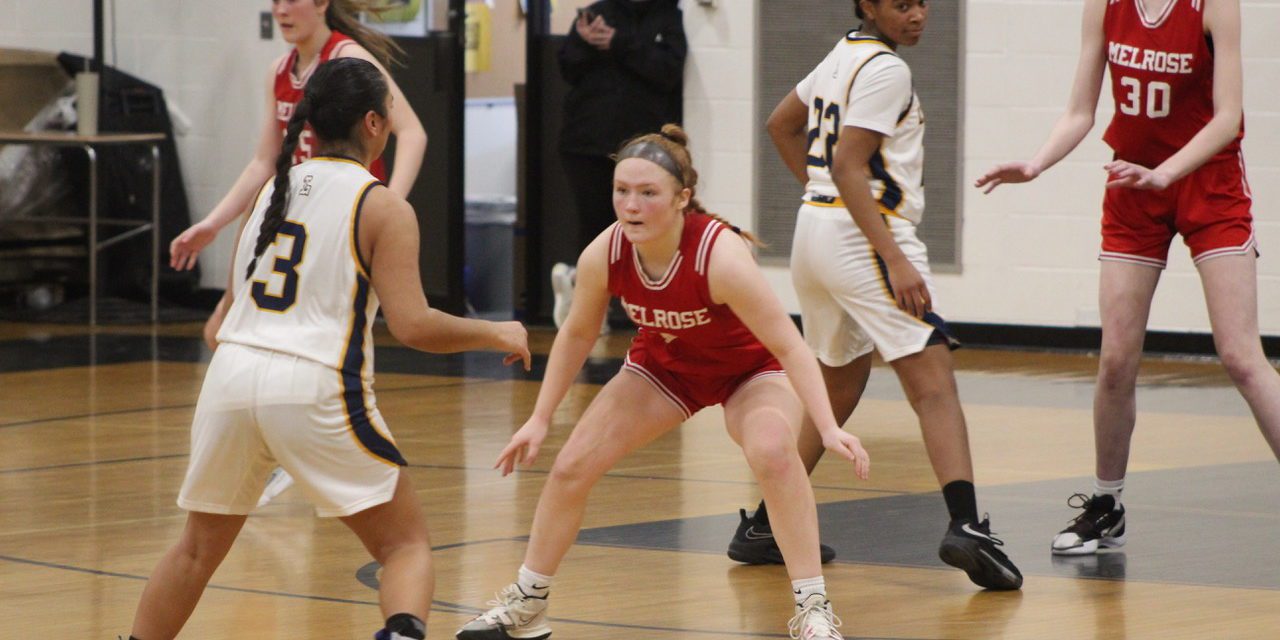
(400, 17)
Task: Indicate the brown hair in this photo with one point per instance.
(673, 141)
(343, 16)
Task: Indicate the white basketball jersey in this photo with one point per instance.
(863, 83)
(309, 294)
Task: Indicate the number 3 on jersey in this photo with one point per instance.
(286, 266)
(1157, 102)
(829, 135)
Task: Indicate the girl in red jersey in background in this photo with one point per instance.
(711, 332)
(1177, 83)
(319, 30)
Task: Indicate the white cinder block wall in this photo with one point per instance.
(204, 54)
(1029, 251)
(720, 115)
(719, 105)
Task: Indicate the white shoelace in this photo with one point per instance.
(502, 605)
(796, 625)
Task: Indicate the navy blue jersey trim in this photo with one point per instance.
(892, 196)
(355, 226)
(353, 385)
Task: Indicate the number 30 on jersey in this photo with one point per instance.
(1158, 96)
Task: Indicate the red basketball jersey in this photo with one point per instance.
(1161, 80)
(679, 324)
(288, 90)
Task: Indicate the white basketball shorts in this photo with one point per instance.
(846, 304)
(261, 408)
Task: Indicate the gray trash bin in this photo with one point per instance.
(490, 228)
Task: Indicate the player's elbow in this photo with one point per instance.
(848, 172)
(779, 128)
(1080, 119)
(412, 136)
(411, 330)
(1230, 116)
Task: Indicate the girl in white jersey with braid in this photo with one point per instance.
(291, 380)
(853, 132)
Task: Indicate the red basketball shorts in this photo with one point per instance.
(691, 392)
(1210, 208)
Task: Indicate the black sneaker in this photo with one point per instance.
(753, 543)
(1101, 525)
(972, 548)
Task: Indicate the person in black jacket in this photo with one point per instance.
(624, 60)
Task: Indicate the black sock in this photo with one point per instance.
(962, 504)
(762, 514)
(407, 625)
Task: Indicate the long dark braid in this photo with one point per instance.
(274, 215)
(338, 95)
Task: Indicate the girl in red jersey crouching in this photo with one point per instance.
(711, 332)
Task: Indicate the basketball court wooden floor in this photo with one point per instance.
(94, 436)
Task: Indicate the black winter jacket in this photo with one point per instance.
(634, 87)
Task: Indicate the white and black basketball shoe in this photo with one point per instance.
(1100, 526)
(972, 548)
(753, 543)
(513, 616)
(814, 620)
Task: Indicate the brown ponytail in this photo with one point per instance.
(343, 16)
(674, 144)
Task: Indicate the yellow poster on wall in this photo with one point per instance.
(479, 36)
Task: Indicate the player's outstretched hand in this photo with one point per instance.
(512, 338)
(185, 248)
(1010, 172)
(524, 445)
(1133, 176)
(849, 447)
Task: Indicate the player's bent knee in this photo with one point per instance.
(1117, 373)
(575, 473)
(1242, 365)
(772, 454)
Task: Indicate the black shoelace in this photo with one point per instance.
(1090, 516)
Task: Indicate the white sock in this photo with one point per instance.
(806, 587)
(533, 583)
(1108, 488)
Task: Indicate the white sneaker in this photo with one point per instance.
(514, 615)
(814, 620)
(276, 484)
(562, 285)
